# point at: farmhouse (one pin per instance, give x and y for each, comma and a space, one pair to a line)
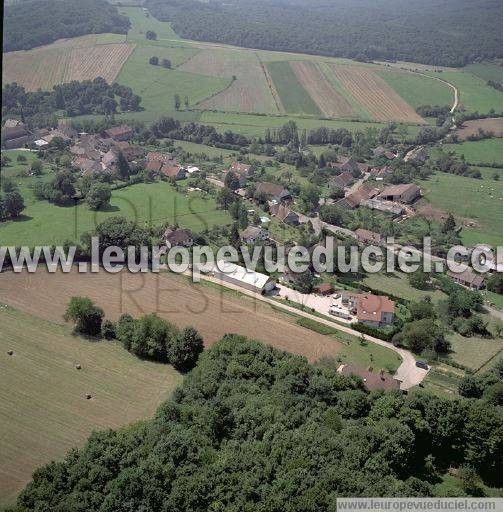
86, 166
12, 123
405, 193
284, 214
176, 172
366, 237
163, 158
122, 132
355, 199
468, 278
372, 381
254, 234
383, 206
349, 164
342, 180
382, 152
375, 310
241, 276
16, 137
273, 191
242, 171
416, 156
178, 238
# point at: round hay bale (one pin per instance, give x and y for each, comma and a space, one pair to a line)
10, 352
78, 367
88, 396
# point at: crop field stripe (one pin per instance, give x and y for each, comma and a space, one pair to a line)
375, 95
249, 92
59, 64
329, 101
274, 93
357, 107
294, 98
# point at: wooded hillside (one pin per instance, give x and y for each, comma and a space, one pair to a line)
255, 429
38, 22
449, 32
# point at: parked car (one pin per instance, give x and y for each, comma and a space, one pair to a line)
422, 364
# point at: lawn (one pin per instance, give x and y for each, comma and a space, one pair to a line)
43, 407
148, 204
294, 97
481, 201
353, 351
487, 151
475, 94
398, 284
418, 90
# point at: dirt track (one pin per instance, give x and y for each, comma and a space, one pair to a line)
211, 311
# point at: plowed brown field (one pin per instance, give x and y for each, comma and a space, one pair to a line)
329, 101
173, 297
491, 124
375, 95
79, 58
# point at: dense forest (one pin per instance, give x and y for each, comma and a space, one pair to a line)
38, 22
446, 32
252, 428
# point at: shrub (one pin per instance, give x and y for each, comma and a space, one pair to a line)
108, 330
86, 315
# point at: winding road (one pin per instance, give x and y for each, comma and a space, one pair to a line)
408, 373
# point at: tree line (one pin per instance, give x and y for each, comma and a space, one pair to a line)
74, 98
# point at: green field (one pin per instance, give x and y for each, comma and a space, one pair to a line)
474, 352
398, 284
479, 152
418, 90
353, 351
141, 21
43, 407
44, 223
475, 94
487, 71
294, 97
157, 85
469, 198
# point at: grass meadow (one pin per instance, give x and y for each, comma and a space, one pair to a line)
43, 407
418, 90
480, 200
487, 151
475, 94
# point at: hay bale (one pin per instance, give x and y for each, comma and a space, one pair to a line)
88, 396
78, 367
10, 352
